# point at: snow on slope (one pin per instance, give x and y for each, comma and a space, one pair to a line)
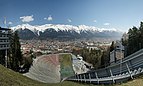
58, 27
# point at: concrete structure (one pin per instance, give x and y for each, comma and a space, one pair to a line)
79, 65
4, 45
117, 53
132, 67
46, 69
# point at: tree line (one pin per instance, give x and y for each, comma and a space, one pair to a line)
98, 58
135, 39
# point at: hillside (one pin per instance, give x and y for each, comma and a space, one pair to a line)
11, 78
136, 82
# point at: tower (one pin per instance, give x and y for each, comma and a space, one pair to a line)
4, 45
117, 53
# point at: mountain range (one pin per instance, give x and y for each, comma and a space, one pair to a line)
58, 31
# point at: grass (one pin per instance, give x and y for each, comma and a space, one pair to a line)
11, 78
136, 82
66, 65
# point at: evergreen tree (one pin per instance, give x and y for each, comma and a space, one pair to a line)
2, 55
112, 47
133, 41
15, 55
141, 35
105, 59
124, 39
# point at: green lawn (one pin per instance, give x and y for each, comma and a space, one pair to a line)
11, 78
66, 65
136, 82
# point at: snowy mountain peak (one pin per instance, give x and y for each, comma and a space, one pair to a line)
59, 27
65, 32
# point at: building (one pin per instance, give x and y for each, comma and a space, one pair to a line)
92, 47
4, 45
117, 53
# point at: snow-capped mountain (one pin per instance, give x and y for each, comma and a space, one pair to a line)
63, 31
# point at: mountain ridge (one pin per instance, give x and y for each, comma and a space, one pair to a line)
58, 27
59, 31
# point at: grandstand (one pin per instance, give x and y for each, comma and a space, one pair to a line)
125, 69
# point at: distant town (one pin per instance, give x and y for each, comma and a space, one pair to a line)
55, 46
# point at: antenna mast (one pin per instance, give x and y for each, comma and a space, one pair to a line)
5, 21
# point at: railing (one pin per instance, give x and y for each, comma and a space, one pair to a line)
4, 42
130, 67
4, 37
3, 47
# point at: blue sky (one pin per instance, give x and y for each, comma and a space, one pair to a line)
119, 14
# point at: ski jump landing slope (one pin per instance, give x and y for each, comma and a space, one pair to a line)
45, 68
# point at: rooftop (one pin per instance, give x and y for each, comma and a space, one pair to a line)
4, 28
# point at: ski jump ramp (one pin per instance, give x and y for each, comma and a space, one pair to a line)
45, 68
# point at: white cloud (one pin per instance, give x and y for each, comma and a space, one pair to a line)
49, 18
10, 23
94, 20
45, 18
69, 20
106, 24
27, 18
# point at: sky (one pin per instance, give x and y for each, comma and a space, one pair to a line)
118, 14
